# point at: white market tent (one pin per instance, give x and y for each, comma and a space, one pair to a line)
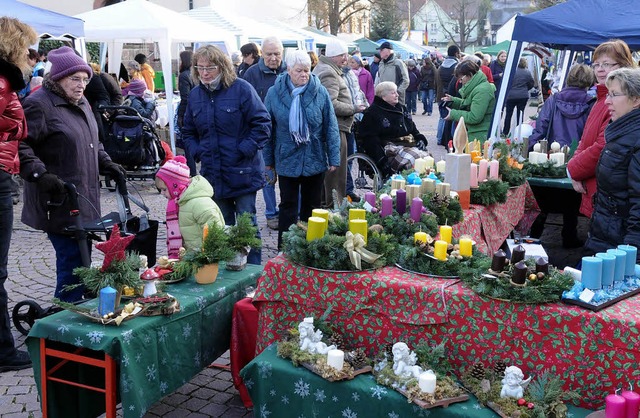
140, 21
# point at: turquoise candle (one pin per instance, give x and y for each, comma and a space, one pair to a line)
608, 268
630, 263
621, 260
592, 273
106, 300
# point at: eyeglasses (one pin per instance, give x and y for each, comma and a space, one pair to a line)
78, 80
604, 65
208, 69
612, 95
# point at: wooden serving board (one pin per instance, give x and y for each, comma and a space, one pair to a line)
444, 402
311, 367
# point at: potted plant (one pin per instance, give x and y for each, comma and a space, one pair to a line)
242, 238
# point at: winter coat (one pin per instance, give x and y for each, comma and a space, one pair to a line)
616, 215
13, 126
567, 111
113, 89
428, 78
330, 75
582, 166
373, 69
185, 85
226, 130
197, 209
476, 103
520, 85
383, 122
149, 76
62, 140
323, 149
366, 84
262, 77
414, 79
497, 70
394, 70
445, 74
144, 107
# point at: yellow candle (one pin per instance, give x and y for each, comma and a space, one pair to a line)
466, 247
440, 250
440, 166
315, 228
357, 214
320, 213
358, 226
420, 237
475, 154
445, 233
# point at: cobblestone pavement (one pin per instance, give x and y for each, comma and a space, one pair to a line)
211, 392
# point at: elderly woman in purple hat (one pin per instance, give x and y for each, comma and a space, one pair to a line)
138, 97
62, 146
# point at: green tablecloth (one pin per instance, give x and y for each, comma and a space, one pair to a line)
155, 355
561, 183
278, 389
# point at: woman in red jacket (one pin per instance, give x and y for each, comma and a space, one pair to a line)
607, 57
16, 38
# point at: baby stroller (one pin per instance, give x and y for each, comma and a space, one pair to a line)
131, 141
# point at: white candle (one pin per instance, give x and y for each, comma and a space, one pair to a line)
494, 166
430, 161
537, 147
427, 382
557, 158
335, 359
482, 170
473, 179
420, 165
440, 166
555, 147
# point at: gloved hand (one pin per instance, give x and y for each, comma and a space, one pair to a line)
50, 183
114, 169
421, 142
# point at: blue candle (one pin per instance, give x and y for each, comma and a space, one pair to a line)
621, 260
107, 300
630, 263
592, 273
608, 268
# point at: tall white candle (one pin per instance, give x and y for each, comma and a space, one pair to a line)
427, 382
557, 158
335, 359
473, 178
441, 166
420, 165
430, 161
494, 166
482, 170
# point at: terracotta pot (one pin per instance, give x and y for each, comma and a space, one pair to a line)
237, 263
207, 274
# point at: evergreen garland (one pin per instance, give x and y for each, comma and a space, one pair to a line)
547, 170
448, 211
513, 176
118, 274
413, 259
401, 228
490, 192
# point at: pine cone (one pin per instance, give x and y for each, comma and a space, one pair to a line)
337, 340
477, 371
357, 358
499, 367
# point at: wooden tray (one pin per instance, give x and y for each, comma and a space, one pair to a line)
311, 367
596, 308
111, 320
444, 402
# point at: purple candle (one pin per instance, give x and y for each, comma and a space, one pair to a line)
615, 406
370, 198
401, 201
632, 403
387, 206
416, 209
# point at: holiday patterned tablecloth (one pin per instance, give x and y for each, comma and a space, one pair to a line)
155, 355
277, 388
593, 353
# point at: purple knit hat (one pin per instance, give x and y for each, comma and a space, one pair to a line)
136, 87
64, 62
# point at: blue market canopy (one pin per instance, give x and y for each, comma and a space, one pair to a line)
46, 23
403, 50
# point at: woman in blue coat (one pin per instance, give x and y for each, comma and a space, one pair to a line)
225, 127
305, 141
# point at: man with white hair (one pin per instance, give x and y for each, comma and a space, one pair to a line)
262, 77
392, 69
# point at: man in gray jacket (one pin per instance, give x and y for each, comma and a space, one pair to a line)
392, 69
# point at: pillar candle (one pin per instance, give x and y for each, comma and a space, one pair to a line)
357, 214
401, 201
445, 189
542, 265
315, 228
398, 183
482, 170
517, 254
420, 237
320, 213
630, 262
416, 209
608, 268
498, 261
441, 166
429, 161
420, 165
557, 158
536, 147
440, 250
107, 300
473, 178
519, 272
466, 247
359, 226
335, 359
413, 191
494, 167
555, 147
621, 261
615, 406
427, 382
632, 406
445, 233
475, 155
592, 273
386, 204
428, 186
370, 198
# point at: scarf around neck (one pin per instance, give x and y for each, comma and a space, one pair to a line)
174, 237
298, 127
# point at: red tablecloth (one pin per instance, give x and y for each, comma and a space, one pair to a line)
593, 353
244, 328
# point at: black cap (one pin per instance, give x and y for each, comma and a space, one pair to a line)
384, 45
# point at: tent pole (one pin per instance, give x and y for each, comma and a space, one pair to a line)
515, 48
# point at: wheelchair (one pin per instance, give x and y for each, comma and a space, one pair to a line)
365, 174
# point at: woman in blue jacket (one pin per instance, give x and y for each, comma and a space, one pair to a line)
225, 127
305, 142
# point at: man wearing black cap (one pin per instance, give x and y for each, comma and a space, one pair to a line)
392, 69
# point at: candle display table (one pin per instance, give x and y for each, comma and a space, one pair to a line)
593, 353
138, 362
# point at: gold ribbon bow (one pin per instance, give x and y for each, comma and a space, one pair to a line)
355, 247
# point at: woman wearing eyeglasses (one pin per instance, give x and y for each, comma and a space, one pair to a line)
62, 146
225, 127
616, 215
607, 57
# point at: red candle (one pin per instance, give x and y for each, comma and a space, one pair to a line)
615, 406
632, 403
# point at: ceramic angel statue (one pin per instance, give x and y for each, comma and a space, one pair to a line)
513, 384
311, 340
404, 361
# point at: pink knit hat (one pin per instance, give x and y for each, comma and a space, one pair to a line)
175, 174
64, 62
137, 87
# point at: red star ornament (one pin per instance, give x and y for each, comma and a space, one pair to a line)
114, 247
